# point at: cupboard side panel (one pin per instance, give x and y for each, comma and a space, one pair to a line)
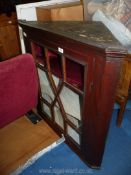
98, 109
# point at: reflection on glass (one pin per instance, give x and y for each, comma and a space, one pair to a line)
56, 80
46, 109
73, 134
46, 90
58, 116
73, 120
39, 53
71, 102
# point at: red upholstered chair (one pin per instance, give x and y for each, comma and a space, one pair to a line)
18, 88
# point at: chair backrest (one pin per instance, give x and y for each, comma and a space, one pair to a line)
18, 87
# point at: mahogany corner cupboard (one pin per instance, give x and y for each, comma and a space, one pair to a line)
78, 65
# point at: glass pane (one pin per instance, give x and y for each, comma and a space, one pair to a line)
55, 63
75, 74
73, 134
46, 90
47, 110
56, 80
74, 121
39, 53
71, 102
58, 116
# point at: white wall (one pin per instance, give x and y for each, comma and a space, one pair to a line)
28, 12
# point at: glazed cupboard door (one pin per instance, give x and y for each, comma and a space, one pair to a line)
61, 90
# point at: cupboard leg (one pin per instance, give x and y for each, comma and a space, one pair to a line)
121, 112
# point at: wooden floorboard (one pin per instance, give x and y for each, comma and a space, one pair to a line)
20, 140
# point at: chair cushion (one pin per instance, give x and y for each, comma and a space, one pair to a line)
18, 87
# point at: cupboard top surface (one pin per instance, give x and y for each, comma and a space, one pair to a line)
91, 33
